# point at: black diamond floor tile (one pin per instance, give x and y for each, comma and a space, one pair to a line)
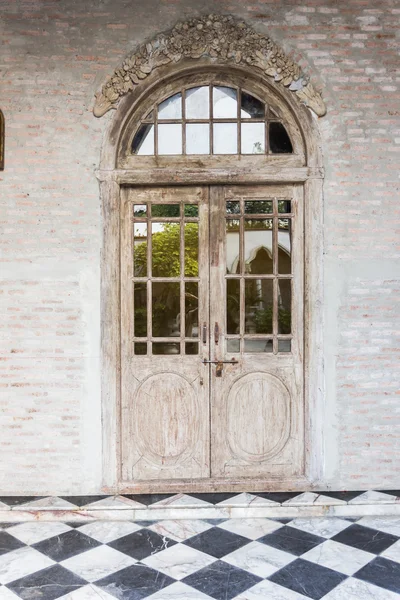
70, 543
141, 544
309, 579
214, 498
365, 538
8, 542
148, 499
382, 572
346, 496
17, 500
47, 584
217, 542
7, 525
292, 540
278, 496
134, 583
221, 580
391, 492
82, 500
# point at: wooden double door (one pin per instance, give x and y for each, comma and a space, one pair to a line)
211, 337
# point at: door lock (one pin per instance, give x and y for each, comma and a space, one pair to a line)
220, 364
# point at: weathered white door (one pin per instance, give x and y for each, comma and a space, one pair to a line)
212, 335
256, 289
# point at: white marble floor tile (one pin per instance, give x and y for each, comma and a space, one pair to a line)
246, 500
327, 527
312, 499
338, 557
181, 500
355, 589
386, 524
49, 503
6, 594
114, 502
178, 591
372, 497
98, 562
88, 592
393, 553
259, 559
181, 529
266, 590
108, 531
178, 561
251, 528
33, 532
22, 562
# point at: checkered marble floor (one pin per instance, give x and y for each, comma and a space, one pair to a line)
242, 559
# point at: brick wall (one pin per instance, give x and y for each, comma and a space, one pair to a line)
54, 55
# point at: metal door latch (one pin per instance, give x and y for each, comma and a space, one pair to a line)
220, 364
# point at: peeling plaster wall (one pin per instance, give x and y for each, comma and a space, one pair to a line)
54, 55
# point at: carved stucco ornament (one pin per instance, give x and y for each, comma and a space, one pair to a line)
213, 36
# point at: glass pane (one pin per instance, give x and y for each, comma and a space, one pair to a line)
258, 345
191, 310
251, 108
225, 138
233, 207
140, 304
191, 210
166, 348
165, 210
258, 246
171, 108
140, 249
279, 141
140, 348
198, 138
166, 309
232, 306
198, 103
261, 207
259, 308
224, 103
284, 206
191, 249
232, 246
143, 142
284, 346
170, 139
191, 348
166, 249
233, 345
284, 246
139, 210
253, 138
284, 304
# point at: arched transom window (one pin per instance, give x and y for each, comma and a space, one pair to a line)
211, 119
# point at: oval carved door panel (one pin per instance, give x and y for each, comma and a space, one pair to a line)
258, 415
165, 415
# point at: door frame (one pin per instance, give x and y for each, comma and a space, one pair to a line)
111, 178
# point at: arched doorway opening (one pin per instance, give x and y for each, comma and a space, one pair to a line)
211, 181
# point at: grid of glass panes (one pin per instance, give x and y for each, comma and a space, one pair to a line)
165, 278
211, 120
259, 275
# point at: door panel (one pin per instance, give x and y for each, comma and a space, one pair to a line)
257, 300
164, 308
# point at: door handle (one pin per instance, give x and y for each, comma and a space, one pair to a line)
204, 333
216, 333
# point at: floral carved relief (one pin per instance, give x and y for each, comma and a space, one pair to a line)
217, 37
